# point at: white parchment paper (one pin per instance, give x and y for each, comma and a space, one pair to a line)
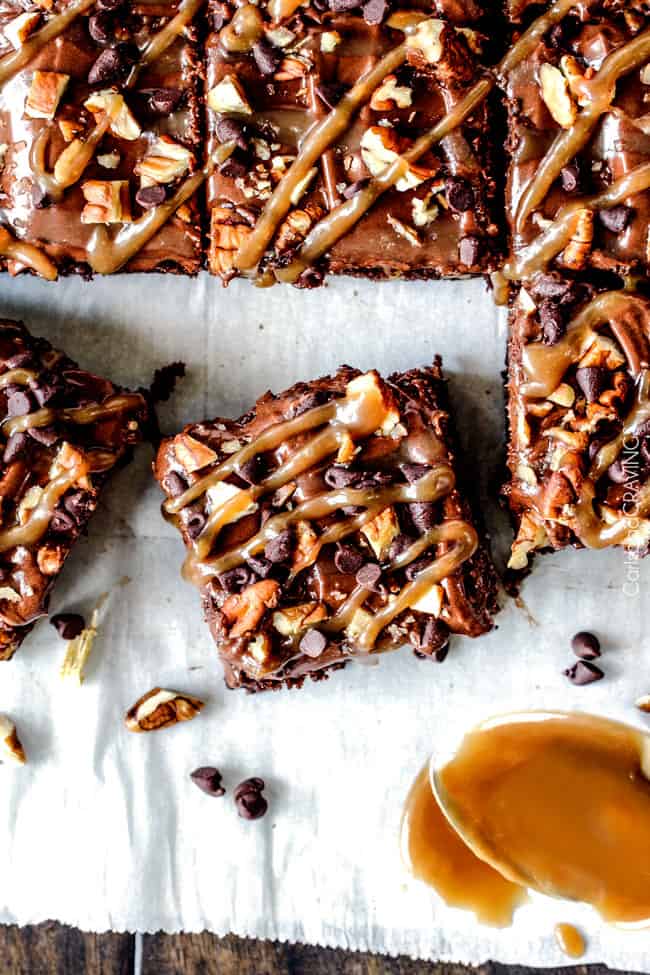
103, 829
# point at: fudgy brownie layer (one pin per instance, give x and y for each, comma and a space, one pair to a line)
63, 431
327, 523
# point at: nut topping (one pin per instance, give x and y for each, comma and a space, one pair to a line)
11, 749
165, 161
45, 93
192, 454
228, 95
20, 28
389, 95
161, 709
107, 201
557, 98
123, 123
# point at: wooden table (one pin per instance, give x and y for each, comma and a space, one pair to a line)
53, 949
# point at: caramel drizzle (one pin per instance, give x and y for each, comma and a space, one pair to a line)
556, 237
81, 415
40, 516
17, 377
27, 254
106, 255
244, 30
165, 37
600, 92
637, 416
14, 62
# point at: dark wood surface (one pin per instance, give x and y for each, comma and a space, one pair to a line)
54, 949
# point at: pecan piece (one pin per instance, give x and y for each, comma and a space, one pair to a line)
160, 708
244, 611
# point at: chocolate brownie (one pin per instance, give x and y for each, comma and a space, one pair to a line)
100, 129
318, 101
579, 414
63, 431
327, 523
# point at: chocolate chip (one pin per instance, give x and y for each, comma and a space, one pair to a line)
61, 522
338, 476
592, 380
616, 219
19, 403
585, 645
423, 515
415, 568
313, 643
260, 566
374, 11
342, 6
347, 559
68, 625
231, 130
413, 472
460, 195
267, 58
433, 641
570, 177
369, 575
279, 548
45, 393
194, 520
44, 435
550, 285
208, 779
78, 505
331, 92
584, 672
353, 188
101, 28
552, 321
250, 802
469, 249
164, 101
233, 167
150, 196
174, 484
399, 545
112, 65
234, 580
15, 446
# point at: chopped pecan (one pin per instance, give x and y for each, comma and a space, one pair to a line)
11, 748
296, 226
575, 253
193, 454
165, 162
294, 619
228, 95
290, 69
21, 27
50, 559
390, 95
307, 546
227, 236
244, 611
160, 708
381, 531
123, 123
554, 88
108, 201
442, 51
45, 93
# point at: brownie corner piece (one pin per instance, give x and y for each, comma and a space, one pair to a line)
579, 418
64, 430
327, 524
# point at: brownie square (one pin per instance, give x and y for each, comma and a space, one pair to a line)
63, 431
579, 418
327, 523
96, 67
577, 194
268, 95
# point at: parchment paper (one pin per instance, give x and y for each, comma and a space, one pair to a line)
103, 829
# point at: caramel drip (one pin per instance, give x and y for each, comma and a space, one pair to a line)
50, 184
548, 245
82, 415
342, 218
243, 31
600, 92
106, 255
17, 377
40, 516
165, 37
545, 365
14, 62
27, 254
531, 37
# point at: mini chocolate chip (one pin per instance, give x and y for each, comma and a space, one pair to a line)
374, 11
399, 545
260, 566
150, 196
584, 672
279, 548
61, 522
338, 476
44, 435
550, 285
616, 219
570, 177
347, 559
194, 520
353, 188
19, 403
592, 380
313, 643
434, 639
231, 130
369, 575
111, 66
342, 6
413, 472
68, 625
15, 446
233, 168
331, 92
174, 484
250, 802
423, 515
208, 779
460, 195
164, 101
469, 249
585, 645
234, 580
267, 58
78, 505
415, 568
101, 28
552, 321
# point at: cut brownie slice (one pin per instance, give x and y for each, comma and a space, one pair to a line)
100, 125
319, 102
327, 523
63, 431
579, 411
578, 188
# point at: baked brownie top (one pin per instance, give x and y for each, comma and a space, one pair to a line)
63, 430
99, 125
327, 522
577, 192
579, 411
279, 75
